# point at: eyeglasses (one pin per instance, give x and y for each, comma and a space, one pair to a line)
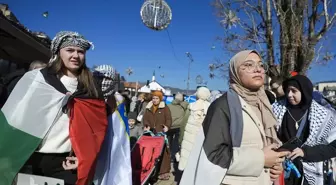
251, 66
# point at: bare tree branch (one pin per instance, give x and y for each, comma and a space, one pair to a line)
292, 38
318, 53
312, 19
328, 21
277, 9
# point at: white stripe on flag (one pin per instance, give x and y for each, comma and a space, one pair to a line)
33, 105
114, 163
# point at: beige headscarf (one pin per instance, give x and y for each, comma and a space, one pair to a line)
258, 100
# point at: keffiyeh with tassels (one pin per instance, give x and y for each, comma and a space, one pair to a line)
322, 130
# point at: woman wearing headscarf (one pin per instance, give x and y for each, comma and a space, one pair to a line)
197, 112
237, 142
299, 116
157, 118
62, 113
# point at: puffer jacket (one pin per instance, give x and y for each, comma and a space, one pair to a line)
198, 111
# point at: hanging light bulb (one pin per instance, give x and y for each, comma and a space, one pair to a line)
156, 14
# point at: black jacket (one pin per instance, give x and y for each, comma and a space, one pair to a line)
8, 83
12, 79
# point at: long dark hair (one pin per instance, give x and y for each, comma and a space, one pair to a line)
84, 77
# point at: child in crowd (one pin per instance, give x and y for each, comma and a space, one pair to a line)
135, 129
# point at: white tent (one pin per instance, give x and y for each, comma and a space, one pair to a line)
152, 86
145, 89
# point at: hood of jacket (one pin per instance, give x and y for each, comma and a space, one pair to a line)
181, 103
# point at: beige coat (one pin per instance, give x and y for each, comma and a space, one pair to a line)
247, 166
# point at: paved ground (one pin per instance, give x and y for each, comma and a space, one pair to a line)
169, 182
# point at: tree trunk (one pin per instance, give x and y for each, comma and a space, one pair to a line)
269, 34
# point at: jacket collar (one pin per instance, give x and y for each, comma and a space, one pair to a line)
248, 109
150, 105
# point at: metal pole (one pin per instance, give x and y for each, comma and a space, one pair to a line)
189, 66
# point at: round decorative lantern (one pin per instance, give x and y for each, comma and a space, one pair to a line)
156, 14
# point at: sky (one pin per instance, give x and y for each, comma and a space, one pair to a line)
121, 39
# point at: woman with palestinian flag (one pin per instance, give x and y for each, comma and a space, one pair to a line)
55, 114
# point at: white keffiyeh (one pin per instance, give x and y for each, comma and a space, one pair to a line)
107, 74
322, 130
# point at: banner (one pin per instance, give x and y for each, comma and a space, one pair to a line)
25, 179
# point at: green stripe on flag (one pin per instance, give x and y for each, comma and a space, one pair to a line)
16, 147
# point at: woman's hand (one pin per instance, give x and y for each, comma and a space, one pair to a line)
146, 128
71, 163
298, 152
272, 157
276, 171
165, 128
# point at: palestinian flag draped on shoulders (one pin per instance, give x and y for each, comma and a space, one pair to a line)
35, 104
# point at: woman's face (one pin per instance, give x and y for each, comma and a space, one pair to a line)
73, 58
156, 100
293, 95
252, 72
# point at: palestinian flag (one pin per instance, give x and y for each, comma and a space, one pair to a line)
35, 104
114, 162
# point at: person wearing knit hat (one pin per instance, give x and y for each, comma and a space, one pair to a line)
159, 94
197, 113
158, 118
203, 93
179, 112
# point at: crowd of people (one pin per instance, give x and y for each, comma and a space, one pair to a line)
60, 120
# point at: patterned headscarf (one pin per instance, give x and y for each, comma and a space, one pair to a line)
106, 75
68, 38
